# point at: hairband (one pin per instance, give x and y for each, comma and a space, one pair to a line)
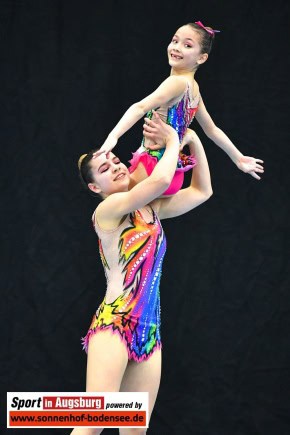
81, 159
210, 31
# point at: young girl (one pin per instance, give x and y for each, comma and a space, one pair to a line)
124, 341
178, 100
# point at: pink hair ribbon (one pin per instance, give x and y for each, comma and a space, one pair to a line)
210, 31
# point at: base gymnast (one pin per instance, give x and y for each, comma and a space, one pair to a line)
123, 342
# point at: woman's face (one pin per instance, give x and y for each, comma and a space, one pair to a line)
184, 51
109, 174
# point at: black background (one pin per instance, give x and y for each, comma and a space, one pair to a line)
69, 70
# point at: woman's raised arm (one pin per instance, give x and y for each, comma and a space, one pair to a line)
200, 188
119, 204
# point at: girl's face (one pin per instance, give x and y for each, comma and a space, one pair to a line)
184, 51
109, 174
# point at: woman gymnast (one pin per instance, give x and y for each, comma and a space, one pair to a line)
123, 342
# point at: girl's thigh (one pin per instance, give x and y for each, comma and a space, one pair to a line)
138, 175
106, 363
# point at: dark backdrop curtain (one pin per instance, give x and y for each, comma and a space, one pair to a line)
69, 70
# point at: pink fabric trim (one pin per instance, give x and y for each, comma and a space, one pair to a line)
149, 162
131, 354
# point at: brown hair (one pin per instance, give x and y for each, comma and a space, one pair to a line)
206, 38
85, 171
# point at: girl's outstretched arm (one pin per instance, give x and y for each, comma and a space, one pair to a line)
200, 188
171, 88
250, 165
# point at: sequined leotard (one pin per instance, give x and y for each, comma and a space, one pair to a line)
132, 258
179, 116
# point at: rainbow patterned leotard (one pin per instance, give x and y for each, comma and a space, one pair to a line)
179, 116
132, 257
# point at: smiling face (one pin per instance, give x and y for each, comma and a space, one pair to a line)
109, 175
184, 51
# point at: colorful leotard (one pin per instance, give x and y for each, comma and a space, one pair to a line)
179, 116
132, 257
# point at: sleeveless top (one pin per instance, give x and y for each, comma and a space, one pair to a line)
179, 116
132, 257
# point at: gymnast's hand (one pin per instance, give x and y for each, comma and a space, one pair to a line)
107, 146
250, 165
158, 131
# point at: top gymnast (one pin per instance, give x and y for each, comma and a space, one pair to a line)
123, 342
177, 100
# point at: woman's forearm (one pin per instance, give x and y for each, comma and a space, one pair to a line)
166, 166
200, 178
